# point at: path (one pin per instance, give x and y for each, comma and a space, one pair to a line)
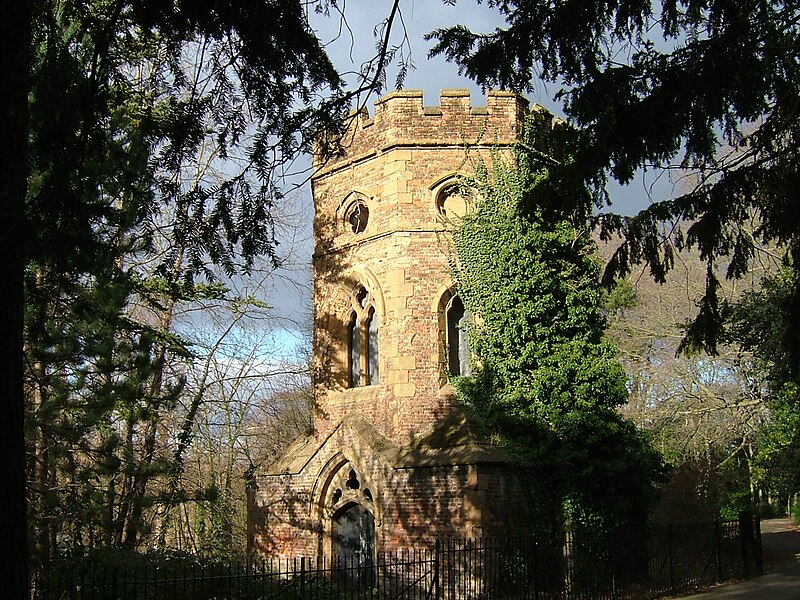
781, 580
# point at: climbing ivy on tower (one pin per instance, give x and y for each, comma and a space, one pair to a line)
546, 382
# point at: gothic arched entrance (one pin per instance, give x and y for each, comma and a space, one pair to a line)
349, 517
354, 535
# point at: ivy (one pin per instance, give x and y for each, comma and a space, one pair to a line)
546, 381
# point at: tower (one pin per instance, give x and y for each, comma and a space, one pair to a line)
392, 462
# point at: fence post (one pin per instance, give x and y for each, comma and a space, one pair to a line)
746, 535
718, 550
436, 558
671, 552
758, 547
302, 576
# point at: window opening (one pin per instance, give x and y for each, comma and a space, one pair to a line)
372, 347
352, 481
362, 340
362, 297
358, 216
451, 202
457, 337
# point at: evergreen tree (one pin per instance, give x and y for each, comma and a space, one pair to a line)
547, 382
689, 85
149, 122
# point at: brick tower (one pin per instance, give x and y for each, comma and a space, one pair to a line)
392, 462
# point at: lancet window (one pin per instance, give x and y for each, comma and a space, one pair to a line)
362, 341
457, 341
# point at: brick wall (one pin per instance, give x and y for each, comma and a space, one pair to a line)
413, 504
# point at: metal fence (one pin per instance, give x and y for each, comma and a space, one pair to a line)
566, 567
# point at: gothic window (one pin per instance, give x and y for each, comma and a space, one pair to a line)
451, 202
457, 319
372, 346
357, 216
362, 341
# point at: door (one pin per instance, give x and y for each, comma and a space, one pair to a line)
354, 538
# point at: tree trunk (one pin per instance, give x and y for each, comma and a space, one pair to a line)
41, 474
15, 40
142, 476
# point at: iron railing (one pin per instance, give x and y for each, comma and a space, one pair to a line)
568, 566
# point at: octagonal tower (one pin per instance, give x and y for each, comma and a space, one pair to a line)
392, 462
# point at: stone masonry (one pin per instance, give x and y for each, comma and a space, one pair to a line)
389, 440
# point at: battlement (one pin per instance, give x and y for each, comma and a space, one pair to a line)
402, 120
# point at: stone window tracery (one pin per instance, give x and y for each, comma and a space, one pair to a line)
362, 341
347, 486
357, 216
452, 201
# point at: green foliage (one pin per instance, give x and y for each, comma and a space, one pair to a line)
762, 323
547, 384
213, 527
176, 119
620, 297
706, 87
158, 135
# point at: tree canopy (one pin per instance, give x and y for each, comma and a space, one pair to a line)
176, 121
697, 86
759, 322
153, 138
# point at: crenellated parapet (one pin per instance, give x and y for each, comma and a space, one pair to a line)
402, 120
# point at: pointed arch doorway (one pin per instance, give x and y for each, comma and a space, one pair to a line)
354, 535
351, 521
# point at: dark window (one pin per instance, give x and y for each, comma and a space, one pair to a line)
457, 340
372, 347
358, 216
362, 341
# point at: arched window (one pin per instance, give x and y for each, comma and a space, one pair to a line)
357, 216
362, 341
457, 318
452, 202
